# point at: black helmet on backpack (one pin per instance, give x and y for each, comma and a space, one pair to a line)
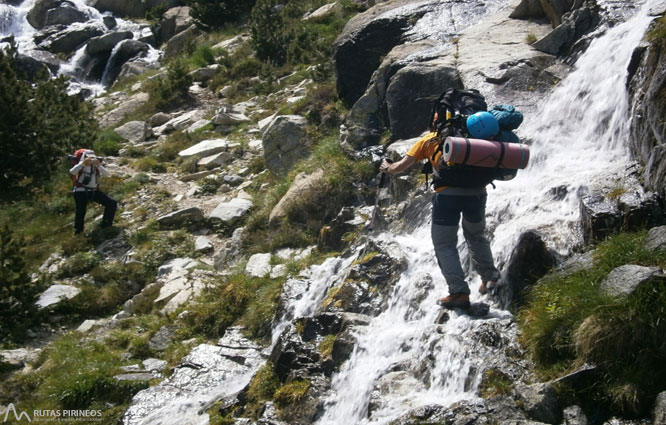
453, 106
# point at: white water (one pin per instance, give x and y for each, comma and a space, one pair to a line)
13, 22
579, 135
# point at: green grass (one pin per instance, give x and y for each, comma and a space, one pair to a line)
568, 322
657, 33
73, 374
262, 388
291, 393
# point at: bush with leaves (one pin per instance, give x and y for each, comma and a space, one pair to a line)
213, 14
17, 291
39, 124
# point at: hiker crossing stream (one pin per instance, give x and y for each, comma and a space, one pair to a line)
401, 358
578, 136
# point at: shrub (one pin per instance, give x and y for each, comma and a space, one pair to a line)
204, 55
108, 143
17, 291
171, 90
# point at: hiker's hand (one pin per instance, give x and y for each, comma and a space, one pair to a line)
384, 168
96, 161
87, 161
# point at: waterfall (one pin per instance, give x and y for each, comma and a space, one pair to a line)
579, 136
13, 22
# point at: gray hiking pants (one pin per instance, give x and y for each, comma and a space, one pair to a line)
446, 212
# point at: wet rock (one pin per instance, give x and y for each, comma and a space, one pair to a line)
625, 280
106, 42
574, 26
68, 40
640, 209
230, 212
207, 148
259, 265
65, 14
174, 21
209, 373
647, 74
55, 294
304, 199
331, 235
37, 15
181, 217
600, 217
35, 61
529, 261
659, 410
291, 353
656, 238
283, 142
162, 338
574, 415
539, 401
203, 244
123, 52
109, 22
134, 131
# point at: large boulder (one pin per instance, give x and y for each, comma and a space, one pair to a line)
230, 212
410, 95
302, 198
174, 21
554, 10
284, 143
65, 14
529, 261
134, 131
178, 42
68, 40
626, 279
574, 25
37, 15
366, 38
106, 42
32, 62
540, 402
115, 116
634, 209
124, 51
647, 76
207, 148
656, 238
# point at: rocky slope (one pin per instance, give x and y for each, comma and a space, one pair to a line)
390, 62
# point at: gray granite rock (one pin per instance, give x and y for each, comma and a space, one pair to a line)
624, 280
55, 294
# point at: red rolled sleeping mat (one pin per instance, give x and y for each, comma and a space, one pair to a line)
485, 153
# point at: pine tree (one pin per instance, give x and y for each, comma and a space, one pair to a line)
17, 292
39, 124
268, 32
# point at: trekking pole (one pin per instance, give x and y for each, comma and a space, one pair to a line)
382, 177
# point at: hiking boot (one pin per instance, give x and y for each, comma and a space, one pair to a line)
459, 300
487, 286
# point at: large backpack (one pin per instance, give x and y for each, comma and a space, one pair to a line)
448, 118
76, 158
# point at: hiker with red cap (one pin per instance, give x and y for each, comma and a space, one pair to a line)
86, 174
